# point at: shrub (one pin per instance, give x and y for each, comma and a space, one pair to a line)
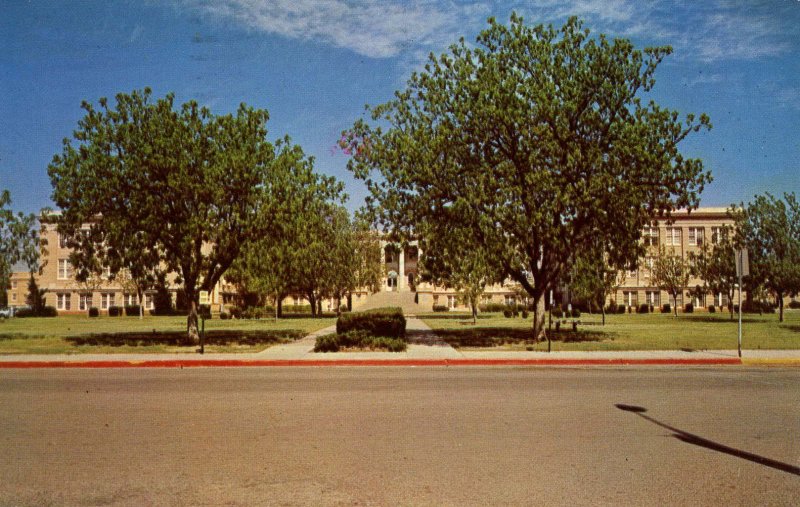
688, 308
253, 312
358, 339
379, 322
24, 312
757, 307
47, 311
794, 305
492, 307
440, 308
524, 314
94, 312
132, 310
557, 313
507, 313
712, 309
621, 309
297, 309
224, 316
204, 312
644, 308
235, 311
576, 313
114, 311
666, 308
735, 308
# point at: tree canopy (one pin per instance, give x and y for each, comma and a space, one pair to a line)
532, 142
19, 240
176, 186
769, 228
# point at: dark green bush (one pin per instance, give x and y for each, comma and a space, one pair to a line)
666, 308
492, 307
224, 316
620, 308
114, 311
758, 307
794, 305
440, 308
644, 308
235, 311
379, 322
297, 309
712, 309
358, 339
507, 313
524, 314
94, 312
557, 313
132, 310
47, 311
24, 312
688, 308
576, 313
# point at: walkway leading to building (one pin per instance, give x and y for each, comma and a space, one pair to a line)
403, 300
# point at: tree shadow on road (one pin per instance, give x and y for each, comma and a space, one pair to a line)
690, 438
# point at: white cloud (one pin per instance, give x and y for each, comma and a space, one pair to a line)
372, 28
706, 31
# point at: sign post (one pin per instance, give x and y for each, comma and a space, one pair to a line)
204, 301
742, 269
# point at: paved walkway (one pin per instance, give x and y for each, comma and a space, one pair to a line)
425, 347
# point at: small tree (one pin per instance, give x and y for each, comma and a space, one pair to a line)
670, 273
35, 298
20, 240
769, 229
592, 279
715, 266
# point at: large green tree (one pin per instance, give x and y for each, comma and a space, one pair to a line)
670, 272
532, 142
186, 184
769, 228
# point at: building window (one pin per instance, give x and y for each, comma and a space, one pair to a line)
14, 284
106, 272
650, 236
129, 299
148, 301
653, 298
106, 300
510, 300
435, 300
673, 236
451, 302
62, 301
14, 296
696, 236
716, 235
62, 241
630, 297
64, 269
84, 301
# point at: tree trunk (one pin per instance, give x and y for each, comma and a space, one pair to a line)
780, 307
313, 301
604, 314
140, 296
675, 303
279, 307
474, 312
539, 320
191, 322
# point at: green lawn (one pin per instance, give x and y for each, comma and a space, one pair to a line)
698, 331
74, 334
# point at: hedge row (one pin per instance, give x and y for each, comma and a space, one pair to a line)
47, 311
387, 322
358, 339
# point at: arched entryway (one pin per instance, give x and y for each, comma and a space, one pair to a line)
391, 280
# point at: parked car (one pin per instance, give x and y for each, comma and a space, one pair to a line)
6, 313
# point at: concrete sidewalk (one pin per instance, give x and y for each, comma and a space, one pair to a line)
424, 349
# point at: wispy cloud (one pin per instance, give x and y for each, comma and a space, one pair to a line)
706, 31
372, 28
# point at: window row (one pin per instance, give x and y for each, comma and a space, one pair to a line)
107, 300
673, 236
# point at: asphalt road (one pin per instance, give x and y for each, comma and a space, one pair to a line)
400, 436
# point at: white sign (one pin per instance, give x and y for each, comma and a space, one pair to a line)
204, 299
742, 263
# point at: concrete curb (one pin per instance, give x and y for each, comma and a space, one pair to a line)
214, 363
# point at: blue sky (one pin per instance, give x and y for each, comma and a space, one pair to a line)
314, 64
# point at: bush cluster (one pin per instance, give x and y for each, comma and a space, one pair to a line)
387, 322
643, 308
440, 308
358, 339
688, 308
94, 312
114, 311
47, 311
666, 308
794, 305
132, 310
296, 309
507, 313
712, 309
492, 307
757, 307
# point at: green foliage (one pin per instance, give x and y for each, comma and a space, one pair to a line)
492, 307
46, 311
94, 312
132, 310
524, 314
177, 187
643, 308
162, 299
508, 313
714, 265
794, 305
688, 308
35, 298
440, 308
387, 322
670, 272
19, 240
712, 309
528, 143
769, 228
666, 308
114, 311
358, 340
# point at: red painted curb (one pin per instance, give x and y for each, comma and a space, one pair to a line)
210, 363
